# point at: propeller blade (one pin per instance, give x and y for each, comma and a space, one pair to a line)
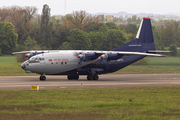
23, 56
79, 63
83, 47
106, 63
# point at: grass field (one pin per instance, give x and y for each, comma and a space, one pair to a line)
156, 65
161, 103
164, 61
8, 58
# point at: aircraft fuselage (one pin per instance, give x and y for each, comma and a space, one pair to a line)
67, 62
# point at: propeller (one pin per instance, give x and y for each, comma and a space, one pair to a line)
23, 56
28, 47
42, 46
104, 58
100, 48
83, 47
81, 58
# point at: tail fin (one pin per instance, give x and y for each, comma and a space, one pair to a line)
144, 40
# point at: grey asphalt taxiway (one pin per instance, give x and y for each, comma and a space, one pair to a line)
122, 80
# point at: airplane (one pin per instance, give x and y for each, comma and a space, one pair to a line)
90, 62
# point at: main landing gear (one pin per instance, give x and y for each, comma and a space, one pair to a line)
73, 77
42, 78
92, 77
89, 77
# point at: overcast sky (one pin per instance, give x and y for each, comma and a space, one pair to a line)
95, 6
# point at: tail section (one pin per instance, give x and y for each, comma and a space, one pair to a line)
144, 40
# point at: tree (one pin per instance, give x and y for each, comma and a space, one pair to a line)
8, 37
21, 17
157, 39
65, 46
173, 47
112, 25
46, 26
77, 38
115, 38
81, 20
134, 20
97, 39
168, 31
131, 28
4, 13
100, 27
30, 41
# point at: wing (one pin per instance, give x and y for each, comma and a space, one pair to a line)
159, 51
22, 52
130, 53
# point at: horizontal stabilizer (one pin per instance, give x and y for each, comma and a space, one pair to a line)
160, 51
139, 53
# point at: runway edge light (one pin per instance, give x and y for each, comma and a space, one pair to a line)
34, 87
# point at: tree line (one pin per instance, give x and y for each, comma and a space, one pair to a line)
21, 26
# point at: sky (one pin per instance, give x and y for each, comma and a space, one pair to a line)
96, 6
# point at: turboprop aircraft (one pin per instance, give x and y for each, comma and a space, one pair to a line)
92, 63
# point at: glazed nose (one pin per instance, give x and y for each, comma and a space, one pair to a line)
23, 65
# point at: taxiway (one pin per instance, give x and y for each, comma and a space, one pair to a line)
123, 80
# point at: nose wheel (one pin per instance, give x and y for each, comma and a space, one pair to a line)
42, 78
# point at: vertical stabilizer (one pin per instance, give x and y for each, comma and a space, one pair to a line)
144, 40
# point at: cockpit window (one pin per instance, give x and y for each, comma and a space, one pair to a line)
41, 59
36, 59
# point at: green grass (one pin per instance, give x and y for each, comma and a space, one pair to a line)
12, 69
92, 103
148, 69
8, 58
164, 61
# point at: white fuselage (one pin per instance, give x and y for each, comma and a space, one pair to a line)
54, 63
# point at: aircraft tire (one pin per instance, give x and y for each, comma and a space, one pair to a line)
70, 77
90, 77
95, 77
76, 77
73, 77
42, 78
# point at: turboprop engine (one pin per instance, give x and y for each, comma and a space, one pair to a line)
88, 56
111, 56
33, 53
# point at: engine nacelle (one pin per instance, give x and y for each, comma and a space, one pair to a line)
114, 56
80, 56
111, 56
88, 56
104, 56
28, 55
